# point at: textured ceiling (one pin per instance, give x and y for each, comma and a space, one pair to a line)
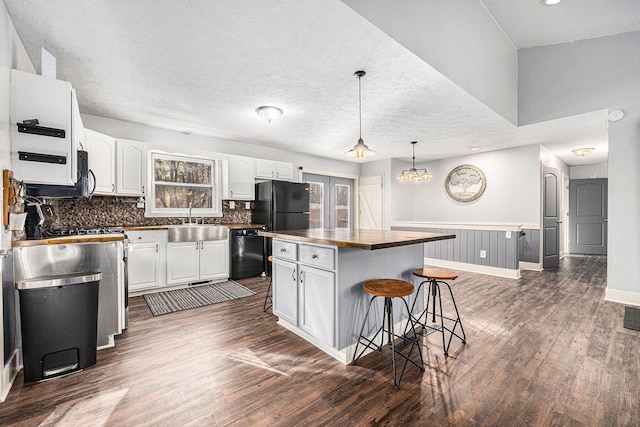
528, 23
204, 66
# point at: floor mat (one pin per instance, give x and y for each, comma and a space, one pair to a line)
196, 296
632, 318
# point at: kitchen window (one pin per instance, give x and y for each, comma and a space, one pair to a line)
181, 185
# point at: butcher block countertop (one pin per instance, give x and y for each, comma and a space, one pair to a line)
358, 238
66, 240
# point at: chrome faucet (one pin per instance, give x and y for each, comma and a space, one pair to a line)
190, 206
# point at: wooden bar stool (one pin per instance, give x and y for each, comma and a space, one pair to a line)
434, 277
268, 299
389, 289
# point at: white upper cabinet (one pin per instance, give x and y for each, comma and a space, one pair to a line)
272, 169
130, 167
241, 174
102, 161
44, 153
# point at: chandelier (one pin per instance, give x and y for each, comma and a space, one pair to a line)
414, 174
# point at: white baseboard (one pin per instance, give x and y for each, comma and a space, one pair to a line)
535, 266
474, 268
9, 372
622, 297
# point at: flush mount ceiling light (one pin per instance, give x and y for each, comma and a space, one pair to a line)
581, 152
360, 149
268, 112
615, 115
550, 2
414, 174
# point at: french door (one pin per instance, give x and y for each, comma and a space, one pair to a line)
330, 201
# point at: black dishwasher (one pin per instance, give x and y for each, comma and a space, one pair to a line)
246, 253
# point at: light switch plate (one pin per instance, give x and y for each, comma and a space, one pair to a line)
483, 254
508, 235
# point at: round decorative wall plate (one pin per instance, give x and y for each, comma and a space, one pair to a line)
465, 183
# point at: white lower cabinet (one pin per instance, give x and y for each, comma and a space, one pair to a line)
285, 290
316, 303
303, 294
147, 258
189, 262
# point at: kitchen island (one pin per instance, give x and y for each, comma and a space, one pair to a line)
318, 276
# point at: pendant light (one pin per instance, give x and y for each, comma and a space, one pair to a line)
360, 149
414, 174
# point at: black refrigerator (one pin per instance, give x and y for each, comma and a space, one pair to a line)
280, 205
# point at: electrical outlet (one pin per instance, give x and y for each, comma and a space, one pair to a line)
140, 203
508, 235
247, 205
483, 254
232, 204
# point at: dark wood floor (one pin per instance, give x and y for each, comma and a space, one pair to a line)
541, 351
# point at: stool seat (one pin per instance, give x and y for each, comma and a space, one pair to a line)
388, 288
435, 273
270, 258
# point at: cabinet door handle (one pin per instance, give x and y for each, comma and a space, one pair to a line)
271, 174
143, 188
277, 174
302, 276
113, 187
201, 245
157, 248
197, 245
231, 193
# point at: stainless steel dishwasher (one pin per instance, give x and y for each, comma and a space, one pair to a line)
247, 250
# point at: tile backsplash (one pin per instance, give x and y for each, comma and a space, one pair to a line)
102, 211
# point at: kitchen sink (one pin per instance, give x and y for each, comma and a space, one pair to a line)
197, 232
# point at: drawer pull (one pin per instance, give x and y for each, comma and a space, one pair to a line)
283, 249
314, 256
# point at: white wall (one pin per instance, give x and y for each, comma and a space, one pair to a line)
198, 144
512, 195
459, 39
589, 171
573, 78
12, 55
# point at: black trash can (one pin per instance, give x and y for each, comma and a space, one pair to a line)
59, 316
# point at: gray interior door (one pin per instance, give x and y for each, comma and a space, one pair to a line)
588, 216
551, 218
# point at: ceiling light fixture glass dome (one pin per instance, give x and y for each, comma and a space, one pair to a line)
269, 112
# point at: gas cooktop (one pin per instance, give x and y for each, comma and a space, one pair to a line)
81, 231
